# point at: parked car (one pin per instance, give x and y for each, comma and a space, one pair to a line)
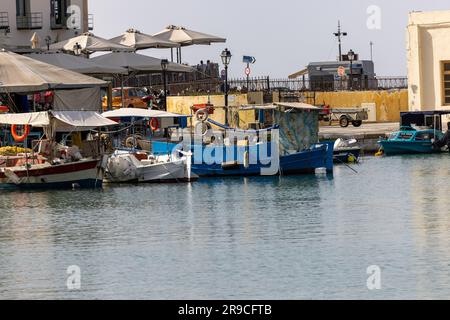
133, 98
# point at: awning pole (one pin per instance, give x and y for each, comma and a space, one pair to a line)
122, 93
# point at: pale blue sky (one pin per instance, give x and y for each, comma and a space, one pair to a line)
283, 35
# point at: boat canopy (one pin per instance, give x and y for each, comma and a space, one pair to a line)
61, 120
140, 113
430, 119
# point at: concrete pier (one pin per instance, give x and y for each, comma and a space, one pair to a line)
367, 135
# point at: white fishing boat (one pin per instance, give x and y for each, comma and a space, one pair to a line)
138, 166
132, 165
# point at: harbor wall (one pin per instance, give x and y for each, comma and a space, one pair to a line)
388, 104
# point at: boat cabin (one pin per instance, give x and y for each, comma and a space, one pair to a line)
423, 119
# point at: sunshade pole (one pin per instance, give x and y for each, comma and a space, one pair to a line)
171, 53
180, 55
122, 93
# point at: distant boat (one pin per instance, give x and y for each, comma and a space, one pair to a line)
346, 151
417, 134
411, 141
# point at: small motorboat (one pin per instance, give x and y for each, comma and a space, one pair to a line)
417, 135
409, 140
346, 151
127, 166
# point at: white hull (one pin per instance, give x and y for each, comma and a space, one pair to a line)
127, 168
71, 175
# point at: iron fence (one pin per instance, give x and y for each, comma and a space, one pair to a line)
265, 84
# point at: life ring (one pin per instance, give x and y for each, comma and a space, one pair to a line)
202, 115
131, 142
154, 124
202, 128
24, 135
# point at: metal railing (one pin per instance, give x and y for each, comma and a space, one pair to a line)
32, 20
267, 84
4, 20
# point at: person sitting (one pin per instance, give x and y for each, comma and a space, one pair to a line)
445, 141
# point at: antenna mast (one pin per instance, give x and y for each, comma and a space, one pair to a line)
339, 35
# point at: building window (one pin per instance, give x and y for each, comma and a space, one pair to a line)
58, 9
446, 82
22, 8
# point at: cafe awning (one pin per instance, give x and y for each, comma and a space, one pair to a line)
20, 74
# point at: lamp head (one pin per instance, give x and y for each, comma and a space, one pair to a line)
226, 57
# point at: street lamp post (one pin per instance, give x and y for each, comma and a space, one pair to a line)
164, 66
226, 59
351, 58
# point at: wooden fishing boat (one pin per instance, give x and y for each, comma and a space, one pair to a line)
53, 165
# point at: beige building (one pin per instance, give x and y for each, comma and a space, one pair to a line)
51, 20
428, 50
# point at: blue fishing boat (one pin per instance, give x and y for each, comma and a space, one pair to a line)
221, 160
294, 150
417, 134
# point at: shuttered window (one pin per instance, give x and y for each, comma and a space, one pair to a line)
446, 82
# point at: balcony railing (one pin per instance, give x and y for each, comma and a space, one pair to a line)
32, 20
91, 22
4, 20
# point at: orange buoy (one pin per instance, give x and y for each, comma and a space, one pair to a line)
22, 137
154, 124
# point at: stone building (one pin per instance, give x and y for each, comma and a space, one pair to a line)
51, 20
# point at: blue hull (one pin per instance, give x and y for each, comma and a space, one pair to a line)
208, 161
407, 147
68, 185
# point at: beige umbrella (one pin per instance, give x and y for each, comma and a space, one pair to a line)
35, 41
138, 40
77, 64
138, 63
88, 43
186, 37
21, 74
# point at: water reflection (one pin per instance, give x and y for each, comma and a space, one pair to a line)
245, 238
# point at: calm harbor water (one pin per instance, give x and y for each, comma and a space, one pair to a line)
302, 237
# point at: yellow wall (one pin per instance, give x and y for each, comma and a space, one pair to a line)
183, 104
389, 103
